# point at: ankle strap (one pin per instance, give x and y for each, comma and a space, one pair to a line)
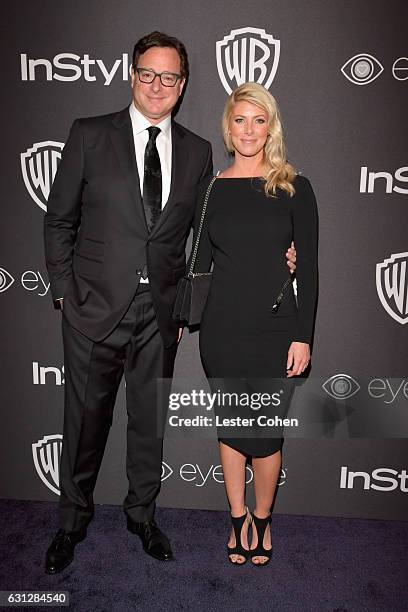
261, 521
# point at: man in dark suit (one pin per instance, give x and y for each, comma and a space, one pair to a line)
119, 214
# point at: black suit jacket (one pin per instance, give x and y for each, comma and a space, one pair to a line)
96, 237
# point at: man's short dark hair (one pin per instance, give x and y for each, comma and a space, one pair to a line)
158, 39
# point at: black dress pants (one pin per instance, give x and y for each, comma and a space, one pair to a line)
93, 371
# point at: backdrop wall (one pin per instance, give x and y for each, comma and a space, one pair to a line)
340, 74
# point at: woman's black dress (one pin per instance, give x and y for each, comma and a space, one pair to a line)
246, 235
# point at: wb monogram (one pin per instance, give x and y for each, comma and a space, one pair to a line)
247, 54
39, 165
392, 286
46, 456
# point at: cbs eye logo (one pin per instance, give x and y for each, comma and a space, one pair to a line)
6, 280
362, 69
166, 471
341, 386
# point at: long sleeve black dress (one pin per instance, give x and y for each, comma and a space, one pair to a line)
246, 235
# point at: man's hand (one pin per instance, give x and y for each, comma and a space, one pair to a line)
180, 334
291, 257
298, 358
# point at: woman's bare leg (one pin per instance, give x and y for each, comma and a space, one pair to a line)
266, 474
233, 465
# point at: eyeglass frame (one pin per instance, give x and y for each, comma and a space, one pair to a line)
157, 74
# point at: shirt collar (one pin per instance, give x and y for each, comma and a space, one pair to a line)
141, 123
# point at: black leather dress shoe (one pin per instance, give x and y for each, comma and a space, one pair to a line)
61, 552
155, 543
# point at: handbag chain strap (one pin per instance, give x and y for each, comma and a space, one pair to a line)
278, 300
200, 227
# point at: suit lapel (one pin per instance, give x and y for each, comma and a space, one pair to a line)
122, 141
178, 164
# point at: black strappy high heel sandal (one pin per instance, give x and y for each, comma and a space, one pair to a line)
261, 525
238, 549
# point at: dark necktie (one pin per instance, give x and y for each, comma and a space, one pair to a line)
152, 181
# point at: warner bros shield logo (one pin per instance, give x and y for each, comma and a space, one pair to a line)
46, 456
38, 166
247, 54
392, 286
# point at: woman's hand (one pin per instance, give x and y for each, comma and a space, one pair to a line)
291, 257
298, 358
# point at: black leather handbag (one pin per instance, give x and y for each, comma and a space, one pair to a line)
193, 289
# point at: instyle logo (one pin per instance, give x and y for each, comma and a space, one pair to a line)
363, 68
392, 286
46, 457
38, 166
68, 67
383, 181
43, 375
381, 479
341, 386
247, 54
6, 280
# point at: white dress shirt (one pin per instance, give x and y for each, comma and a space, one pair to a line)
163, 143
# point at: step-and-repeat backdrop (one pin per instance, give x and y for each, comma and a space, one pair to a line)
340, 74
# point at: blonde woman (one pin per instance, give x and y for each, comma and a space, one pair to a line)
256, 208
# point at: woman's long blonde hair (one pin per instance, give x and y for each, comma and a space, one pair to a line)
277, 171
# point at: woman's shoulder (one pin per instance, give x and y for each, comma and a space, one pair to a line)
304, 198
303, 187
301, 182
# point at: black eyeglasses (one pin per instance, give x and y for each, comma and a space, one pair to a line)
167, 79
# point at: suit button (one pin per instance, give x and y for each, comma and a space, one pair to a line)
138, 271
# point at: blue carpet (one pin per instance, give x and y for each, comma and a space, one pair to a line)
318, 565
